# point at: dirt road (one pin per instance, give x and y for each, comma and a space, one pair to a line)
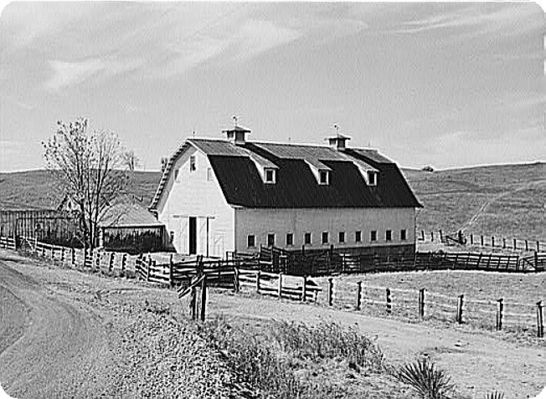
46, 339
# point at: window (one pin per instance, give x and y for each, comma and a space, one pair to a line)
325, 237
270, 175
192, 163
176, 175
289, 239
270, 240
373, 235
251, 241
209, 174
388, 235
358, 236
324, 176
403, 235
171, 234
307, 238
341, 237
372, 178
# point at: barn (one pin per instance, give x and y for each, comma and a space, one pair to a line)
232, 194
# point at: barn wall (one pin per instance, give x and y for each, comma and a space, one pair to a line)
261, 222
193, 194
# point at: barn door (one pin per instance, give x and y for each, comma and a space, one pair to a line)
193, 236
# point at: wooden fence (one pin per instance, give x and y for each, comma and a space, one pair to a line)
333, 261
491, 241
499, 314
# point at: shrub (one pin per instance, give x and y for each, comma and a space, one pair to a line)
328, 340
429, 381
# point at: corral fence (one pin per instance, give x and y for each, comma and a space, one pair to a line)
483, 240
332, 261
500, 314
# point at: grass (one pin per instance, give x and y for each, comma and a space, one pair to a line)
428, 381
451, 197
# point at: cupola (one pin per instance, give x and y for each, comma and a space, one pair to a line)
338, 141
237, 134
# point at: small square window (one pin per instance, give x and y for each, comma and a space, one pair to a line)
358, 236
403, 235
289, 239
325, 237
171, 234
307, 238
270, 240
388, 235
251, 241
323, 177
341, 237
373, 235
372, 178
270, 175
192, 163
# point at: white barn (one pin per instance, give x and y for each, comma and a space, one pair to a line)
235, 195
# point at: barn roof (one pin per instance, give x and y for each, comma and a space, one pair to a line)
296, 186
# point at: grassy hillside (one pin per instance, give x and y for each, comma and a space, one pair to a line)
505, 200
37, 189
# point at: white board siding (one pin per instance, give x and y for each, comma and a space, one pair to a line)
261, 222
193, 195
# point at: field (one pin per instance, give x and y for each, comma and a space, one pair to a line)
67, 326
503, 200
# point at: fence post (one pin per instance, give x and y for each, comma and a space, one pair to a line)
441, 236
459, 314
148, 266
73, 256
236, 279
203, 297
279, 289
492, 241
111, 262
481, 240
304, 289
536, 260
423, 235
500, 311
538, 246
123, 263
431, 236
422, 303
258, 273
62, 254
472, 239
358, 295
540, 320
389, 305
330, 292
193, 303
503, 242
515, 244
43, 251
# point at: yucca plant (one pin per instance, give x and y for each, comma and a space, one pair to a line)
429, 381
494, 395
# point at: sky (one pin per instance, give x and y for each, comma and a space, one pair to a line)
441, 84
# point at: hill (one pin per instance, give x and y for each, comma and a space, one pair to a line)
503, 200
36, 189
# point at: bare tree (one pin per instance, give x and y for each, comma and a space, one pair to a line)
90, 167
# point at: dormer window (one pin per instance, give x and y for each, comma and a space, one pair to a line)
372, 179
270, 175
324, 177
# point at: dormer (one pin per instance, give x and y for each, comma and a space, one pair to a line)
236, 135
338, 142
266, 169
372, 178
321, 172
368, 172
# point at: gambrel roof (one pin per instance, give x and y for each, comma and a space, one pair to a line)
235, 167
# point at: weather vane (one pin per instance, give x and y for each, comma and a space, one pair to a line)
235, 119
337, 128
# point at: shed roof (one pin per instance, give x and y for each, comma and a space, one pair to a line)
128, 215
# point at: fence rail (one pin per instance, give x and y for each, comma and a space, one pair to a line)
483, 240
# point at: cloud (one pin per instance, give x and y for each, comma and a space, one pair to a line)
67, 74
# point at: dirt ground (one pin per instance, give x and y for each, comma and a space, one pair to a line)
51, 330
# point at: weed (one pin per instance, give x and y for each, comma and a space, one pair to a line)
429, 381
